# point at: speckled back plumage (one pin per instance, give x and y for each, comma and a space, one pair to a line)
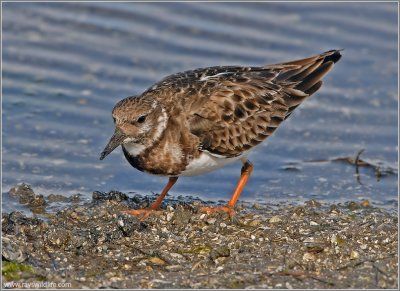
232, 109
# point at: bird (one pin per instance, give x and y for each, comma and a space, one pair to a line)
200, 120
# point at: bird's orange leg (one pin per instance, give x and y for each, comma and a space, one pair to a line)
156, 204
247, 169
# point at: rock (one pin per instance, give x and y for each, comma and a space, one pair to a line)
333, 209
211, 220
128, 224
172, 258
37, 201
222, 251
76, 198
117, 196
300, 211
157, 261
111, 196
365, 203
309, 256
174, 268
56, 198
26, 195
255, 222
314, 248
256, 206
11, 251
169, 216
275, 219
182, 216
23, 192
312, 203
16, 222
57, 238
354, 255
353, 205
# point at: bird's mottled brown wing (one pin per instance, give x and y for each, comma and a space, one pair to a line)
245, 106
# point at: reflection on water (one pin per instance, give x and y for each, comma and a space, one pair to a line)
65, 65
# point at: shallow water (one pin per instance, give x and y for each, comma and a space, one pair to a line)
65, 65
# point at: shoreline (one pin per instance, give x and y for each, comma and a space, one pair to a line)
95, 245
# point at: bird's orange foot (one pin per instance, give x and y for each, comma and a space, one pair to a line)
228, 210
144, 213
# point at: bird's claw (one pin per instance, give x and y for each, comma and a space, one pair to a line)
227, 209
143, 213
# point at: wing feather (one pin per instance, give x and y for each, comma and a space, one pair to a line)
246, 105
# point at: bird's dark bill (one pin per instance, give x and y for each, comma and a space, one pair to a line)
117, 138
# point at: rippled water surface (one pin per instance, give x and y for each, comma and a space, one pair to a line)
65, 65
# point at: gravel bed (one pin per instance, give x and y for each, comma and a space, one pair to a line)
95, 245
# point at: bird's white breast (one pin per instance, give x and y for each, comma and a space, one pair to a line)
207, 162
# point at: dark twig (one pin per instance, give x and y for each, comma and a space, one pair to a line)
323, 281
299, 275
376, 275
379, 170
371, 260
356, 162
380, 270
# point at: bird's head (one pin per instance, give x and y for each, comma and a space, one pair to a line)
139, 122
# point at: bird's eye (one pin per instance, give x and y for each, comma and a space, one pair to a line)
114, 119
141, 119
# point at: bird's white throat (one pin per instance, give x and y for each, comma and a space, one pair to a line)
134, 149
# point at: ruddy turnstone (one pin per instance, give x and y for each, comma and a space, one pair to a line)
197, 121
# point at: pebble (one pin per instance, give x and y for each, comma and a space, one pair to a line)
222, 251
353, 205
148, 268
256, 206
211, 220
157, 261
56, 198
288, 285
255, 222
354, 255
174, 268
312, 203
170, 215
333, 239
275, 219
308, 256
365, 203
